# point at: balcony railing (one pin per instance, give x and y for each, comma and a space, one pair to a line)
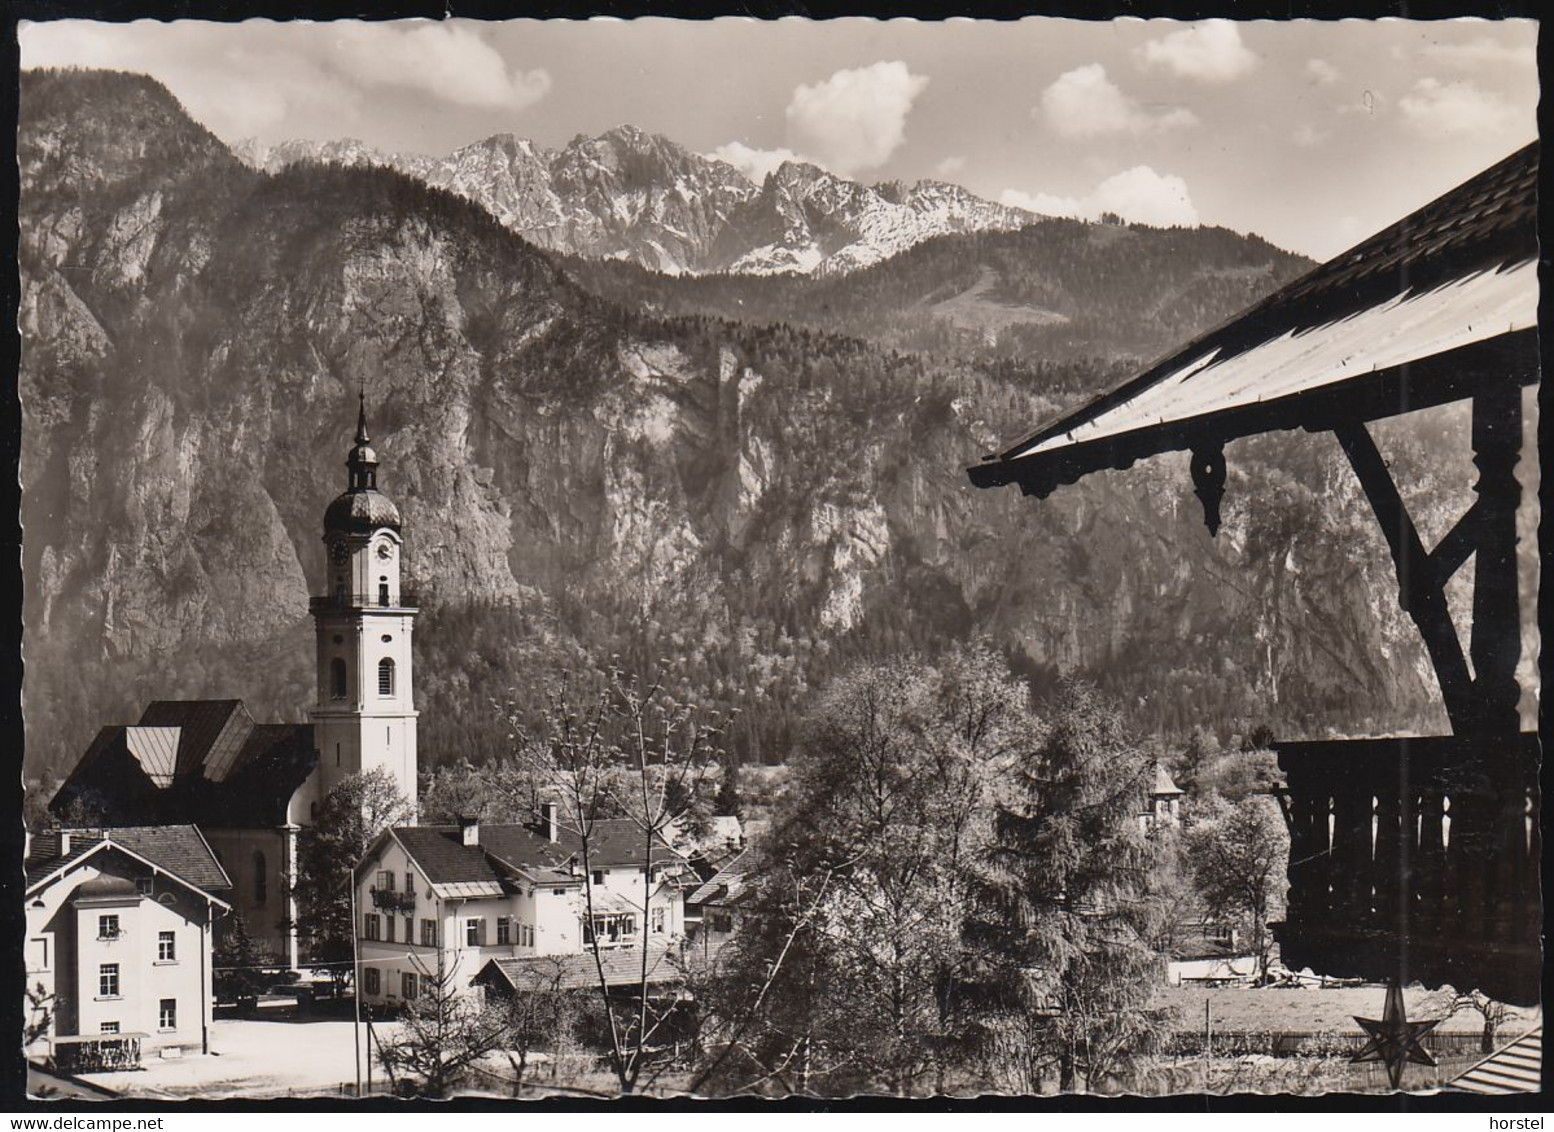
391, 901
406, 599
1416, 858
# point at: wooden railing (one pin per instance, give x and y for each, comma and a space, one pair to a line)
1415, 858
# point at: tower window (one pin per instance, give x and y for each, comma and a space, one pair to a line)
337, 679
385, 677
383, 595
261, 878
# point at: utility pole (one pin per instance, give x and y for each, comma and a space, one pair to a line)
356, 986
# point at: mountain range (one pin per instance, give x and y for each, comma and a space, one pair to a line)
639, 197
750, 505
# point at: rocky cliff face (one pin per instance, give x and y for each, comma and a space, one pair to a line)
755, 505
631, 195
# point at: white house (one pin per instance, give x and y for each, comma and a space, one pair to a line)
450, 899
119, 926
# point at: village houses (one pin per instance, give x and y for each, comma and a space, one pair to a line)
444, 901
118, 951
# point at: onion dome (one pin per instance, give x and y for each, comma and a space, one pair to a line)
362, 508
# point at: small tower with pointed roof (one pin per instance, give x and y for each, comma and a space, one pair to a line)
365, 714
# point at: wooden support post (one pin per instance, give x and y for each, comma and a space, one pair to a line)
1497, 631
1419, 586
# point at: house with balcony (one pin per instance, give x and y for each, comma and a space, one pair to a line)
119, 943
449, 900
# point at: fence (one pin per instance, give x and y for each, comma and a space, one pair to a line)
1305, 1043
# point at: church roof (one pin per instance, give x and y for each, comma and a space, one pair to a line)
1410, 318
362, 508
202, 761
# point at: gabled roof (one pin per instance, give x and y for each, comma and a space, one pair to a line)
576, 970
509, 853
726, 886
1412, 317
1516, 1068
180, 851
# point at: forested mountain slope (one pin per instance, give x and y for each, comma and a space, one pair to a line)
752, 505
1054, 293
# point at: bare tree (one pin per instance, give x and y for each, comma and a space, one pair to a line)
539, 1014
443, 1033
1448, 1003
619, 748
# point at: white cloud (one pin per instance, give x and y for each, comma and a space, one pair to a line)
755, 163
949, 166
856, 119
1321, 72
1434, 107
260, 76
1307, 136
1140, 195
1483, 52
1044, 203
1211, 52
1084, 103
446, 60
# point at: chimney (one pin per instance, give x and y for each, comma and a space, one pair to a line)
469, 831
64, 842
548, 811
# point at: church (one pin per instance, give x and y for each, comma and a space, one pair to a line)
251, 787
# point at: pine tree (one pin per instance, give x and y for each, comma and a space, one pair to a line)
1062, 910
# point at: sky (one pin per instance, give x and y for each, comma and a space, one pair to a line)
1312, 134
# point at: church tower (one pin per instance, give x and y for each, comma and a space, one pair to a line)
365, 716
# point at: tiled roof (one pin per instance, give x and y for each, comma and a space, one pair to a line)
443, 859
576, 970
507, 849
1518, 1068
726, 886
1458, 275
178, 849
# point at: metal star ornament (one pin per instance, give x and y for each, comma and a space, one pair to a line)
1394, 1039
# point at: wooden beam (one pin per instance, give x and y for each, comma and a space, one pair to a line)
1419, 587
1458, 545
1497, 630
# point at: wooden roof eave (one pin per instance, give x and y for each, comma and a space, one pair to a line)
1450, 376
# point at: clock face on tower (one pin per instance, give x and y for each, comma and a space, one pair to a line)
385, 551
